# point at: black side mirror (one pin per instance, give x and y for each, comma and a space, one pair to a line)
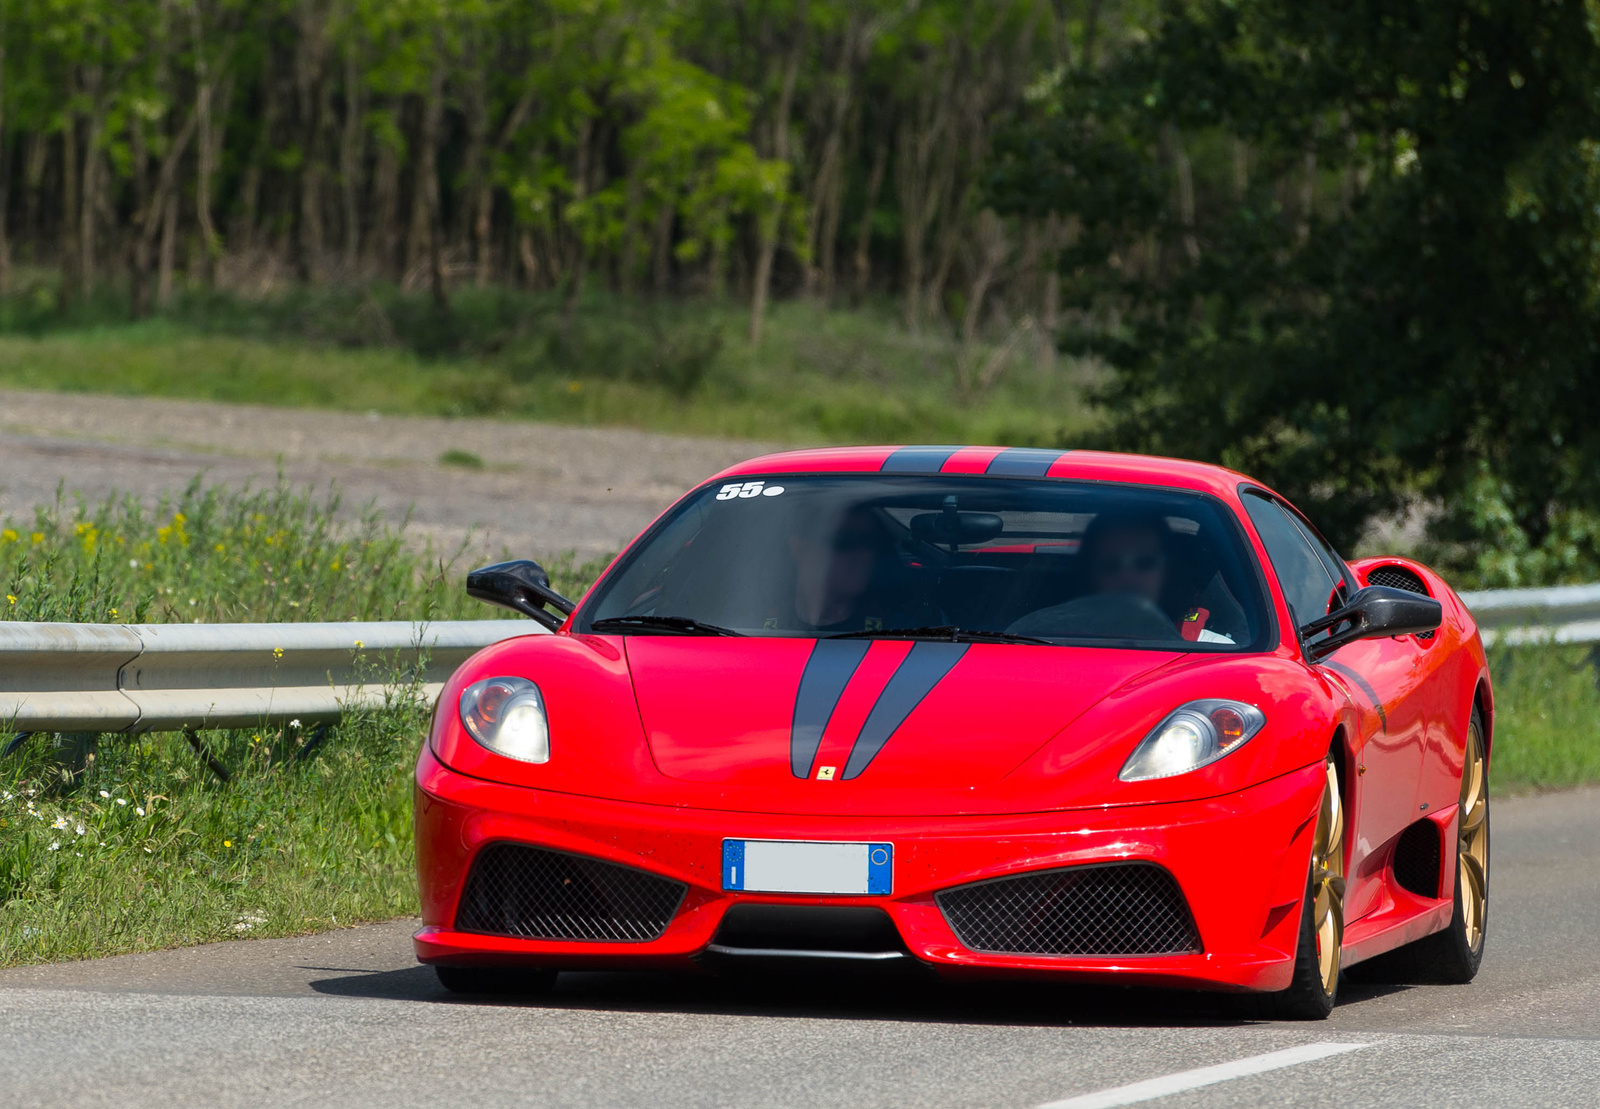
1372, 613
522, 586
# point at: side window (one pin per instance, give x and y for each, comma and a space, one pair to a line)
1330, 558
1306, 580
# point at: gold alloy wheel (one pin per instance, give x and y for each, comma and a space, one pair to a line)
1472, 841
1327, 881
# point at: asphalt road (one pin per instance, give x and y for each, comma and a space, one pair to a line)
348, 1019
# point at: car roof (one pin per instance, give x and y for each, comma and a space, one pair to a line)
1075, 465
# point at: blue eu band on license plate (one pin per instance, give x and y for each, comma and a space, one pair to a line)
796, 866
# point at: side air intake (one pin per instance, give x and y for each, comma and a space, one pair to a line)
1112, 909
1417, 858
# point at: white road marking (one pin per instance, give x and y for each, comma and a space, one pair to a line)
1152, 1088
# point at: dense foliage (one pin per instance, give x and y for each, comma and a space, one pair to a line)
1353, 247
678, 145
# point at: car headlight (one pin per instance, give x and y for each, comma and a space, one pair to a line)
1192, 736
507, 716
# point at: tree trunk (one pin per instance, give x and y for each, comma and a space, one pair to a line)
5, 171
210, 242
772, 222
34, 163
69, 206
249, 218
825, 188
427, 224
385, 208
310, 82
87, 222
661, 250
1183, 176
475, 219
863, 255
169, 250
351, 156
1241, 168
1091, 35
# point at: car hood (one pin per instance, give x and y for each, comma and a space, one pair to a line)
858, 726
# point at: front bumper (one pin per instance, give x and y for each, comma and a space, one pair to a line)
1240, 861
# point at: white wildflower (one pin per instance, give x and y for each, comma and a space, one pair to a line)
80, 829
139, 809
59, 823
122, 800
103, 793
295, 723
55, 845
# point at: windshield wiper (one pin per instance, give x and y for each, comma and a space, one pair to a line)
672, 625
947, 632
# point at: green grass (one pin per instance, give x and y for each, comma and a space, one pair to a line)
144, 847
147, 850
1547, 730
818, 376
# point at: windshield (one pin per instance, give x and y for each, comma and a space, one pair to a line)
939, 556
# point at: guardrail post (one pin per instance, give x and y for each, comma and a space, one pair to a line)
74, 751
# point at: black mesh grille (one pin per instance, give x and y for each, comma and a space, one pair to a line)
532, 893
1119, 909
1416, 859
1398, 577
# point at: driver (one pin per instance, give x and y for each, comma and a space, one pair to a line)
1125, 555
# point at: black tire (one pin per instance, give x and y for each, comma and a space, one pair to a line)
1305, 999
1447, 957
496, 981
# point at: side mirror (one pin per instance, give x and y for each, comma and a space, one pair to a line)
522, 586
1372, 613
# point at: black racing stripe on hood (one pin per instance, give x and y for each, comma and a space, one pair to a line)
923, 668
832, 664
917, 460
1023, 462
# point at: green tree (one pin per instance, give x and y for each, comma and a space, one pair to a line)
1388, 291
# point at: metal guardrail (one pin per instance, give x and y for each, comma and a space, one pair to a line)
1524, 617
188, 677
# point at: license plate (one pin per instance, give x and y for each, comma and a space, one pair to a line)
794, 866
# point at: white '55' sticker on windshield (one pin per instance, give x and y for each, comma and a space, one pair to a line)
745, 490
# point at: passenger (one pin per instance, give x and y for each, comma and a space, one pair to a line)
834, 571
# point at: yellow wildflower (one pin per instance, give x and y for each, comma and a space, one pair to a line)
9, 535
12, 597
227, 843
38, 537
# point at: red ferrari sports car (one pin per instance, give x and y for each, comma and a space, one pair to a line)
986, 711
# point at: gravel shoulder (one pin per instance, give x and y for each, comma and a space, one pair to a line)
544, 488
